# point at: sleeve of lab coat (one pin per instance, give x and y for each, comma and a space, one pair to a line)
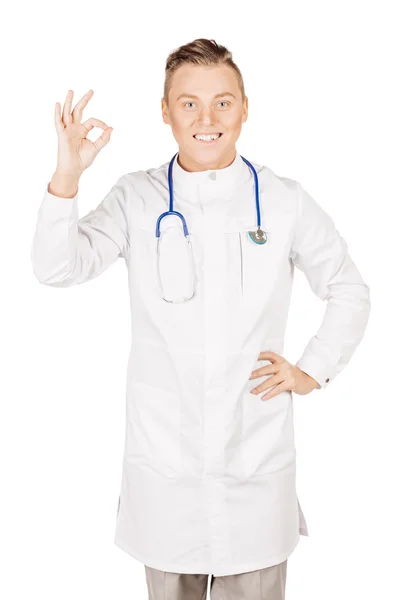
68, 250
321, 253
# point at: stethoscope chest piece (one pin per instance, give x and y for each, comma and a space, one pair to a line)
258, 236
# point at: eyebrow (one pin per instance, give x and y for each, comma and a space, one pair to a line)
216, 95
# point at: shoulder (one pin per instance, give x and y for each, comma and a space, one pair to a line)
143, 178
277, 191
269, 178
146, 187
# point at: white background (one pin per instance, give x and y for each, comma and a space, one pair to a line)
323, 109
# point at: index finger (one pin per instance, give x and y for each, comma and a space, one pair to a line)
269, 355
66, 116
77, 112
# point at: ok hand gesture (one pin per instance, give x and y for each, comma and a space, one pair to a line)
75, 152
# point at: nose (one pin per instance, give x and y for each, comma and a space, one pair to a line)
207, 116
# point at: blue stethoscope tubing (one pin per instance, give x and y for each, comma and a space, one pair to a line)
259, 236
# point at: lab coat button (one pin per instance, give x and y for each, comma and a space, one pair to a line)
326, 380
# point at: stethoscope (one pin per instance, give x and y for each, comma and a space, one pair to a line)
258, 236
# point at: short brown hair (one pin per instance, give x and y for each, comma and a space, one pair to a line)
199, 52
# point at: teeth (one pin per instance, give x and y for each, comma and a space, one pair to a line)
207, 138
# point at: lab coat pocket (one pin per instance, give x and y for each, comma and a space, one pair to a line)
264, 265
255, 264
251, 261
268, 432
153, 422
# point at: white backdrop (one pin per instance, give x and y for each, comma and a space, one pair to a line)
322, 82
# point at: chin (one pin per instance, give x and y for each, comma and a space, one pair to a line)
207, 153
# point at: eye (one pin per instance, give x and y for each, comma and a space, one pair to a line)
188, 103
223, 102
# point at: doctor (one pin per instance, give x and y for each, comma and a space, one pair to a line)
209, 466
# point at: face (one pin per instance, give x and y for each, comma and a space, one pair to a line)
204, 100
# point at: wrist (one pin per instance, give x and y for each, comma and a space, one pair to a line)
64, 184
309, 378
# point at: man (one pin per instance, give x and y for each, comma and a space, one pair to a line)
209, 472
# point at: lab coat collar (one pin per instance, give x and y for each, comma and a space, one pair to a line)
216, 178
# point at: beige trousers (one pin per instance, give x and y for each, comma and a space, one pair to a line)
264, 584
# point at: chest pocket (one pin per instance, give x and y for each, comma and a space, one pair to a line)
249, 263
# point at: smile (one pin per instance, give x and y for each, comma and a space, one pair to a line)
207, 138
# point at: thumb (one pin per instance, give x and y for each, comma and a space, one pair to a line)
103, 139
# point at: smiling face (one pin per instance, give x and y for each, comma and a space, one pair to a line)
205, 100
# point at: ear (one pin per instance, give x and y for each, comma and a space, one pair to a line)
164, 111
245, 109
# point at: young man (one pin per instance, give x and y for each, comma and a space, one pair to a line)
209, 471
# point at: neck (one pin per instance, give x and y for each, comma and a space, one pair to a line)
192, 165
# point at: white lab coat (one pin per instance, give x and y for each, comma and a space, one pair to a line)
209, 470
